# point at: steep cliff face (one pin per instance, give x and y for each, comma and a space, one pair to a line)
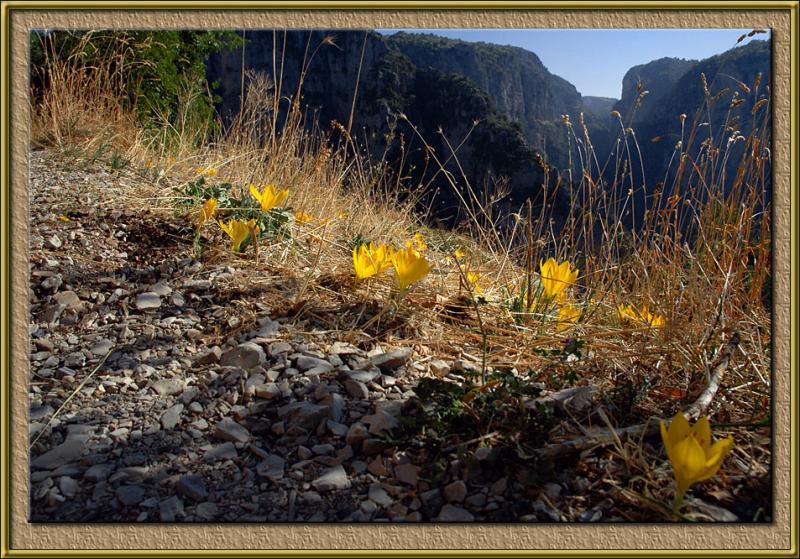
391, 84
447, 85
658, 78
517, 82
676, 88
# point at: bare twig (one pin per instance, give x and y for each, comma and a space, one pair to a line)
77, 389
651, 427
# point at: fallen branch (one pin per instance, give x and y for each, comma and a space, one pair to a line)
606, 437
722, 360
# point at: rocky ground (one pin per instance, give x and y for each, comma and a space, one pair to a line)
142, 407
158, 393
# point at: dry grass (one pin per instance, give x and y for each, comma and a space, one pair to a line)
707, 283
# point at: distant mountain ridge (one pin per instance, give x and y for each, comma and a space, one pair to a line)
448, 85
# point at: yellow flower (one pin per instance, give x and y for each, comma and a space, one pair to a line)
409, 267
420, 243
474, 278
630, 313
691, 453
556, 277
371, 260
459, 253
269, 197
567, 315
207, 171
239, 231
303, 217
206, 212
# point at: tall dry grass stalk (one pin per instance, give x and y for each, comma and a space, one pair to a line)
701, 255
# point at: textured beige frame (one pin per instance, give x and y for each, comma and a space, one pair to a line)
19, 538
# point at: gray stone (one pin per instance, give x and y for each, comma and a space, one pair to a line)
209, 357
162, 289
170, 508
379, 495
304, 414
172, 416
356, 434
277, 348
246, 355
68, 451
102, 347
306, 362
356, 389
40, 412
331, 479
224, 451
206, 511
192, 486
53, 242
455, 492
272, 467
392, 359
337, 405
168, 387
268, 391
130, 495
177, 299
363, 376
343, 348
325, 449
452, 513
148, 301
98, 472
407, 473
381, 423
227, 429
439, 368
68, 486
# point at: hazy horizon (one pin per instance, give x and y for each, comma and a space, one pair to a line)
596, 60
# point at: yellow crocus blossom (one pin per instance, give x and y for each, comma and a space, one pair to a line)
239, 231
556, 277
691, 453
409, 267
269, 197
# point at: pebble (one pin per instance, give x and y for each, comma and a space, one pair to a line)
172, 416
68, 486
306, 362
147, 301
224, 451
227, 429
357, 390
452, 513
379, 495
407, 473
130, 495
206, 511
455, 492
192, 486
170, 509
331, 479
53, 242
246, 355
68, 451
392, 359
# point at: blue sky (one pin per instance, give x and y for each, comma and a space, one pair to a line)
595, 60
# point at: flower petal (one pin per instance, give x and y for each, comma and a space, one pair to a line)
714, 458
679, 429
702, 432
